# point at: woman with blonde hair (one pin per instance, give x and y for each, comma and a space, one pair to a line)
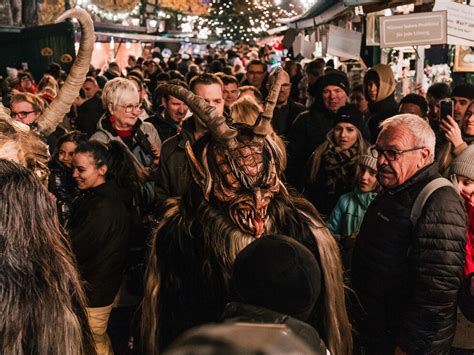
331, 169
246, 110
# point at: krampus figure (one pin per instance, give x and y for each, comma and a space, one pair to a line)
236, 196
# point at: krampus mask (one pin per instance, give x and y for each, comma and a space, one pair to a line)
239, 167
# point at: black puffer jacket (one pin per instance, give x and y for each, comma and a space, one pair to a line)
407, 278
99, 231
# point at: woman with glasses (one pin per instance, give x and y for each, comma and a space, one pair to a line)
459, 137
27, 108
120, 123
331, 169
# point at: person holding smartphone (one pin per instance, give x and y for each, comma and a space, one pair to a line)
459, 135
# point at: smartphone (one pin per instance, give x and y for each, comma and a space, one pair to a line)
446, 108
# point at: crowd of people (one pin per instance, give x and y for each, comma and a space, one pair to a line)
219, 189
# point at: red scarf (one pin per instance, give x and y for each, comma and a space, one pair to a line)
121, 133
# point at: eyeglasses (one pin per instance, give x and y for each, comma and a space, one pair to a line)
21, 114
131, 108
390, 154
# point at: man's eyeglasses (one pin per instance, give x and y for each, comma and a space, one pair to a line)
390, 154
21, 114
131, 108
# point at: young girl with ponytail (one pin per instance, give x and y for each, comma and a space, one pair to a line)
100, 226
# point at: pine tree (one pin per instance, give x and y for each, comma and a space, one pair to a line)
245, 20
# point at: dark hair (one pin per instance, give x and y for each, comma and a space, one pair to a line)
120, 164
358, 88
163, 77
39, 278
417, 100
315, 67
204, 79
439, 91
174, 74
216, 66
256, 62
228, 79
190, 75
74, 136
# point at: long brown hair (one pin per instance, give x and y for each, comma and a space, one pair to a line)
314, 161
43, 302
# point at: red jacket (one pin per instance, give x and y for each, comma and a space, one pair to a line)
469, 267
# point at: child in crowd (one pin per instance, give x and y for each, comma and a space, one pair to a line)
61, 183
462, 175
346, 218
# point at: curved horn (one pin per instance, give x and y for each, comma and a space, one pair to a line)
262, 126
61, 105
215, 123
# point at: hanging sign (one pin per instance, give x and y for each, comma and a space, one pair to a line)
460, 22
344, 43
424, 28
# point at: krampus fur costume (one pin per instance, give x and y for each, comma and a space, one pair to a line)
236, 196
42, 302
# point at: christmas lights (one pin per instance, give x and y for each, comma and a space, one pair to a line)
105, 14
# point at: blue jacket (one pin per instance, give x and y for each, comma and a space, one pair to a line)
349, 212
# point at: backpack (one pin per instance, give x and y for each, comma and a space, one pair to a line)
423, 196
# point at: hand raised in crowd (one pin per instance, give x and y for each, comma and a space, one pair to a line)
156, 152
452, 131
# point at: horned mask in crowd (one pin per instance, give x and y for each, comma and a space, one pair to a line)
239, 168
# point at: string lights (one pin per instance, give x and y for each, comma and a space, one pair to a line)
106, 14
245, 20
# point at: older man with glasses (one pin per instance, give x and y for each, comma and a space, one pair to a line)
409, 255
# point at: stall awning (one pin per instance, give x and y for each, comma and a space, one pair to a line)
321, 12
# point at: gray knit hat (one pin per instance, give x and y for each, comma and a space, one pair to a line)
368, 161
463, 165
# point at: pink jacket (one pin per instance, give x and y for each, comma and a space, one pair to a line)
469, 267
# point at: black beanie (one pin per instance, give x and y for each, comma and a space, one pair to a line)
278, 273
464, 90
336, 78
350, 114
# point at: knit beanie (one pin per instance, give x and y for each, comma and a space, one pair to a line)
463, 165
350, 114
368, 161
336, 78
278, 273
464, 90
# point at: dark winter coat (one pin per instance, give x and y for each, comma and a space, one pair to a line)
63, 186
165, 127
407, 277
308, 132
284, 116
88, 115
379, 112
173, 175
236, 312
466, 300
99, 231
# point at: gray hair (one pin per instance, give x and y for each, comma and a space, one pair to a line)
118, 91
423, 135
